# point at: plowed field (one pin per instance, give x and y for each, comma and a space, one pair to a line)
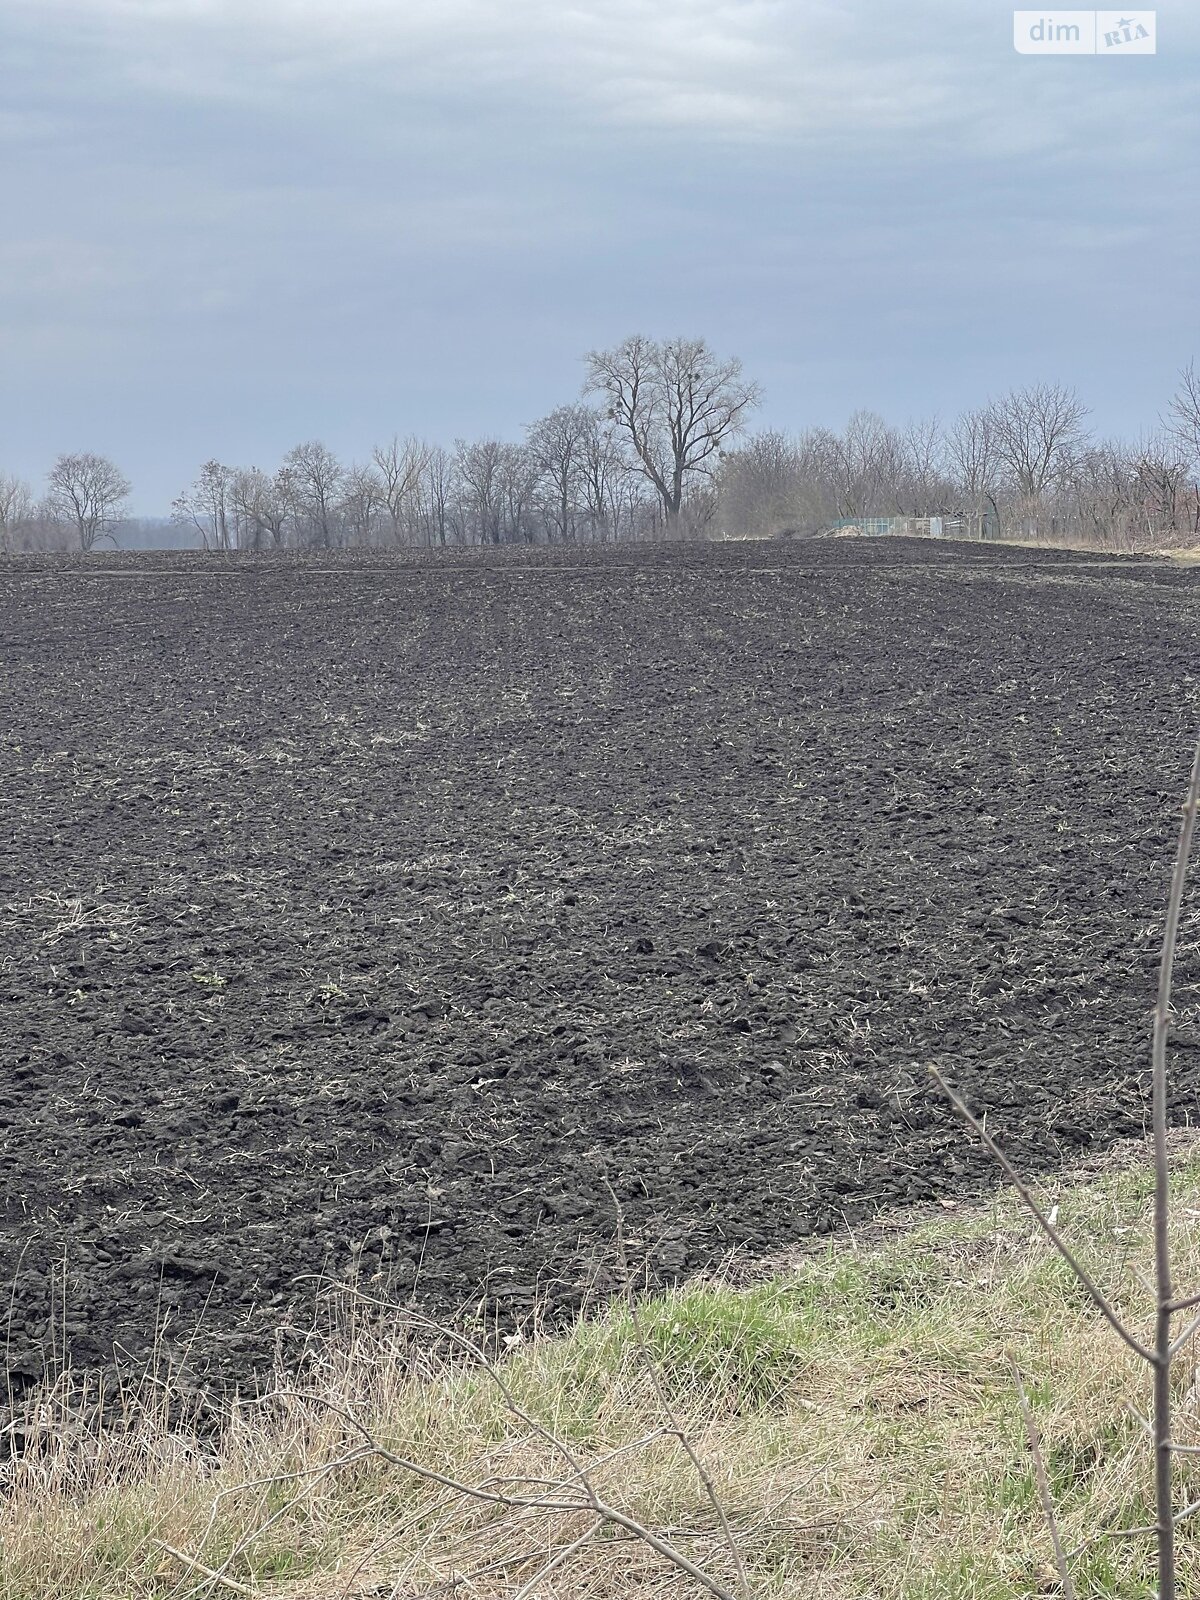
389, 917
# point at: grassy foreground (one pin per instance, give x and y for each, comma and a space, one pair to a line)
856, 1417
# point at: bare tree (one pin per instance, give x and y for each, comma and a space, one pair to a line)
362, 507
259, 510
558, 444
1166, 490
401, 465
973, 459
925, 489
675, 404
434, 495
776, 484
16, 509
478, 467
45, 529
90, 493
1095, 496
205, 506
870, 465
1184, 414
758, 486
611, 489
519, 477
814, 496
312, 480
1036, 431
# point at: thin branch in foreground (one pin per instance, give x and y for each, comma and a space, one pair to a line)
1182, 1340
558, 1499
579, 1473
558, 1559
1143, 1529
1043, 1483
210, 1573
1164, 1350
1050, 1229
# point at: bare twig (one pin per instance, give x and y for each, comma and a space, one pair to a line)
1093, 1539
589, 1500
558, 1559
579, 1473
220, 1578
1160, 1354
372, 1447
1164, 1290
480, 1356
1181, 1340
558, 1499
312, 1477
1043, 1483
1110, 1315
1143, 1528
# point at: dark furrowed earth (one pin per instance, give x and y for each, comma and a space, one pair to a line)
400, 919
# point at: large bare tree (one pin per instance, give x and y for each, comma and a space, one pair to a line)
973, 462
479, 471
89, 492
675, 404
1166, 488
435, 496
519, 476
869, 464
925, 489
1036, 431
613, 491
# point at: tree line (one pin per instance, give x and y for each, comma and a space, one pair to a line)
657, 446
1023, 466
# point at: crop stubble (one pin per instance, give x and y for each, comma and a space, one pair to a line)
383, 917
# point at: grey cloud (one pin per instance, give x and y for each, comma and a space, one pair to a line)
245, 224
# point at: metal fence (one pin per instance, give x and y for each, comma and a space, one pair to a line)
956, 527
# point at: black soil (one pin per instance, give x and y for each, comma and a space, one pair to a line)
385, 917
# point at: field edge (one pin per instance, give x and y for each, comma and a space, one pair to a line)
855, 1415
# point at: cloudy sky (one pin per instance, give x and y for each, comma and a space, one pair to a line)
235, 224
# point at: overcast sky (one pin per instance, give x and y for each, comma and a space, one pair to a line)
232, 225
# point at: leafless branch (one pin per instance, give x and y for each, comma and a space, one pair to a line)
1111, 1316
1161, 1353
1043, 1484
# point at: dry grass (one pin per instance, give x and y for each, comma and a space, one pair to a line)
857, 1417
